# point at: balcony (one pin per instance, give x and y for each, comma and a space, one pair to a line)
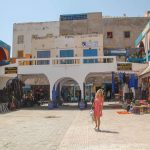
137, 60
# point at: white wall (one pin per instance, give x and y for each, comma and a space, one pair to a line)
55, 44
78, 72
29, 29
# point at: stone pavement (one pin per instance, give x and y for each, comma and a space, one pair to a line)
71, 129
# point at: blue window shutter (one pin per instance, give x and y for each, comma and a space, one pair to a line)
43, 54
66, 53
89, 53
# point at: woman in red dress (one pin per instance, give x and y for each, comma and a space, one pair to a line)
98, 106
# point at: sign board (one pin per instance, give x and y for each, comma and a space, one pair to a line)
90, 44
10, 70
124, 66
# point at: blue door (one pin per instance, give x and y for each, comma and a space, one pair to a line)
67, 53
89, 53
43, 54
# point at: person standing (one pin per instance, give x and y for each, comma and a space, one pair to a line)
98, 106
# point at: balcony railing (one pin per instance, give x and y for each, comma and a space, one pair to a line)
66, 60
136, 60
140, 60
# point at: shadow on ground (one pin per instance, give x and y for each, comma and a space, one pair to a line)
107, 131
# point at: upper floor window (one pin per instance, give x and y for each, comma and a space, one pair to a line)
89, 53
20, 39
109, 35
73, 17
20, 53
67, 53
127, 34
43, 54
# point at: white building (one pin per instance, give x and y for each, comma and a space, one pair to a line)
69, 52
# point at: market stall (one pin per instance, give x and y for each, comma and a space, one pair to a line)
125, 82
145, 83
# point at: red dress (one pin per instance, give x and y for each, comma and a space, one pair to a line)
98, 106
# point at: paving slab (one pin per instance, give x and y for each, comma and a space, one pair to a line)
68, 128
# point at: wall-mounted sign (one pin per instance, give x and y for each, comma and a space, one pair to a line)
124, 66
90, 44
10, 70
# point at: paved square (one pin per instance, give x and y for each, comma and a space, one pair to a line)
72, 129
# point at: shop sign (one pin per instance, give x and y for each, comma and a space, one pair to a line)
124, 66
90, 44
10, 70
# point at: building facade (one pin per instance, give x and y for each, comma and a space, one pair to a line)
83, 39
76, 35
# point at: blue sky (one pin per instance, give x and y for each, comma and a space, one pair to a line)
18, 11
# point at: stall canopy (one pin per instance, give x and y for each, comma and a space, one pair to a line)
34, 79
146, 72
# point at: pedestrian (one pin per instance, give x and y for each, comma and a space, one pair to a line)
98, 106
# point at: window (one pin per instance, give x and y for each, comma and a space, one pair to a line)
67, 53
43, 54
89, 53
127, 34
20, 39
109, 35
73, 17
20, 54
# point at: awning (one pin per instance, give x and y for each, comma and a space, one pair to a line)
145, 73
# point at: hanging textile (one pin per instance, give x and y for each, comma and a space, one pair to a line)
131, 80
124, 78
121, 78
113, 83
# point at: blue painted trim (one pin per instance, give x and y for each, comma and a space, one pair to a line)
73, 17
141, 36
137, 60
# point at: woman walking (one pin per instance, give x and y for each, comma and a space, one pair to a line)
98, 106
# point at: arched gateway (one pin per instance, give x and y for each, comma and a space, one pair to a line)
59, 75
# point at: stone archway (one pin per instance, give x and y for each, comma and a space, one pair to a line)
38, 84
66, 89
95, 81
